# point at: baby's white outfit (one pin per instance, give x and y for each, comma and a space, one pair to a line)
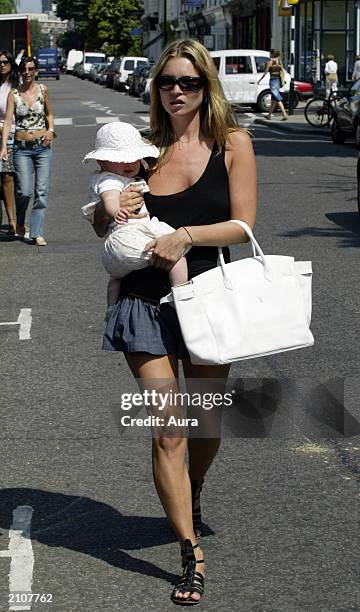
123, 250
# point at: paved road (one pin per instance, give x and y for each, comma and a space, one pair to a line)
279, 503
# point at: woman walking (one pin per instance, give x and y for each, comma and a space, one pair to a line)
205, 176
276, 70
8, 80
34, 133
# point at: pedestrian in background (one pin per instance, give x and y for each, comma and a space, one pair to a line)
8, 80
356, 70
34, 133
331, 75
277, 80
205, 176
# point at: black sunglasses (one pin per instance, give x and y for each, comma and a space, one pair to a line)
4, 62
186, 83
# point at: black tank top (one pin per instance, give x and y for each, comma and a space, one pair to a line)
205, 202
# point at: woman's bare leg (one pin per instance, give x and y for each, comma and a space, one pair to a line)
272, 108
282, 108
168, 453
203, 450
7, 181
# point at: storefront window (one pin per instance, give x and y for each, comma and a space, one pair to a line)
333, 14
325, 27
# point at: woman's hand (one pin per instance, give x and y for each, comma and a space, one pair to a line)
167, 250
131, 199
3, 153
47, 138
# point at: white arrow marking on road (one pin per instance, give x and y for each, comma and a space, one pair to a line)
145, 118
88, 103
21, 553
24, 321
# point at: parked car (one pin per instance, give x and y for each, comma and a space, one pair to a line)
90, 58
78, 69
74, 57
239, 71
127, 66
146, 93
141, 81
111, 71
134, 80
100, 68
92, 72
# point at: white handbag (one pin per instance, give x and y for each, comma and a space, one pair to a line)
247, 308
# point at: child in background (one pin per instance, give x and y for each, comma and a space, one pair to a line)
120, 151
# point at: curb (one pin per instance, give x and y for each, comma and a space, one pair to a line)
294, 129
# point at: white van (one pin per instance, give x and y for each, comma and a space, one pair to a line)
127, 66
239, 71
74, 57
90, 58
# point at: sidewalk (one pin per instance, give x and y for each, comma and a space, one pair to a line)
295, 124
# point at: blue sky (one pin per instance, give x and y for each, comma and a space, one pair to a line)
29, 6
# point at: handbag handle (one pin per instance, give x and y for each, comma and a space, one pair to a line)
255, 248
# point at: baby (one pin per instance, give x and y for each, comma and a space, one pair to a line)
120, 151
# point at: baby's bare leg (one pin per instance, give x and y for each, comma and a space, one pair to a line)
113, 290
179, 272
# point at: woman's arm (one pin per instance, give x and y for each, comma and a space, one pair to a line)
267, 67
49, 117
242, 186
7, 124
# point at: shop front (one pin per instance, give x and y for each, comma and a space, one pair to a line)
325, 27
251, 24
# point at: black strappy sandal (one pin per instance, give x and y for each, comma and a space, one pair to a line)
191, 580
196, 488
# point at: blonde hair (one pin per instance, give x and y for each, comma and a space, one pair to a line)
217, 119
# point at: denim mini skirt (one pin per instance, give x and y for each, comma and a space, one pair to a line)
137, 325
275, 89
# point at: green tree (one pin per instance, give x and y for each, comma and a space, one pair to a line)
37, 37
73, 39
78, 10
7, 6
111, 26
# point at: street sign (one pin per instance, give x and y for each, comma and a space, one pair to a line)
136, 32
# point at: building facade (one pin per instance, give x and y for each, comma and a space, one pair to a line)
322, 27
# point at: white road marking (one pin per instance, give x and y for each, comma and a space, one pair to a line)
145, 118
63, 121
24, 321
101, 120
21, 554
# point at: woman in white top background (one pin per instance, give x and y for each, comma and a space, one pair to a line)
331, 75
8, 79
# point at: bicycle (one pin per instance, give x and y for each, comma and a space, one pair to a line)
320, 111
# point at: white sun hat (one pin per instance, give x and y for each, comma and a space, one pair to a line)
120, 142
